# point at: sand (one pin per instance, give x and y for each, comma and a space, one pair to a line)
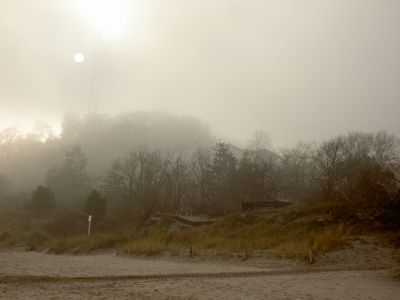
364, 271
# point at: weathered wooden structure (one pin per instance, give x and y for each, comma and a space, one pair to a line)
258, 205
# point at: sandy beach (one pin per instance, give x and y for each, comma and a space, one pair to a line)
366, 270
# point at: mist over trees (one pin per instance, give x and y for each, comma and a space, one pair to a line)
360, 170
139, 163
71, 182
215, 175
103, 138
145, 181
41, 156
4, 191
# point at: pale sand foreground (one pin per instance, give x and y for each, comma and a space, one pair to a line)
362, 272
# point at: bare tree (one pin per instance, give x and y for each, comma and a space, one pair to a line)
386, 150
266, 177
9, 139
201, 167
177, 181
329, 170
6, 199
41, 131
298, 164
260, 141
137, 179
344, 164
4, 185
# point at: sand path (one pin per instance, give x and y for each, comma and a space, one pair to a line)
36, 275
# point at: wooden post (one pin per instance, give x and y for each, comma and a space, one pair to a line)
191, 251
90, 221
311, 256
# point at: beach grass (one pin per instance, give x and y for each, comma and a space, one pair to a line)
284, 232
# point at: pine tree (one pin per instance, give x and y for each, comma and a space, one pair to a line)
224, 175
95, 205
43, 201
71, 182
224, 162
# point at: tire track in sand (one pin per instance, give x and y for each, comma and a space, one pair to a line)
174, 276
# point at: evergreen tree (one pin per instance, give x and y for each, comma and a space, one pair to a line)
43, 201
224, 162
71, 182
95, 205
246, 177
224, 177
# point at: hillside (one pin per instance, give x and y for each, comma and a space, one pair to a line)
286, 232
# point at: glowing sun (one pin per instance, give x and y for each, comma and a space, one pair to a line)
106, 15
78, 57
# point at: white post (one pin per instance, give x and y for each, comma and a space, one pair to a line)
90, 220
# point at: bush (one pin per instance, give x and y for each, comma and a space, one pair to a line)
43, 201
67, 225
95, 205
35, 240
4, 236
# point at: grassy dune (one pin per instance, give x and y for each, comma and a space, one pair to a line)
288, 232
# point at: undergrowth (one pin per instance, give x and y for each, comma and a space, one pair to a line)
288, 232
285, 232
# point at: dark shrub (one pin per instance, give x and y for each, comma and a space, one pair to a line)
35, 240
43, 201
95, 205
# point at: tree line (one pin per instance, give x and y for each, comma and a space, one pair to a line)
26, 158
359, 170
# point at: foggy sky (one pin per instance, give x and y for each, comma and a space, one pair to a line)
299, 70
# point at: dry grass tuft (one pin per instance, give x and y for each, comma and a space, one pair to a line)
286, 232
